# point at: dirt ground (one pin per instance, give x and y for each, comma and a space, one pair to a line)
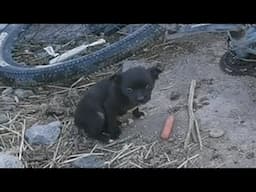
222, 102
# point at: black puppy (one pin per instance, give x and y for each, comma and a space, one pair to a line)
98, 110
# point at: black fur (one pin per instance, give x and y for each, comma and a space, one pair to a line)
97, 112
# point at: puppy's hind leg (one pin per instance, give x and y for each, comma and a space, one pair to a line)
93, 125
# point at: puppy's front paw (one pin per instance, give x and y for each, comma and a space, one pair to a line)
116, 134
137, 114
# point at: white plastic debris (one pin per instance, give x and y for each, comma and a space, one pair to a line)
75, 51
50, 51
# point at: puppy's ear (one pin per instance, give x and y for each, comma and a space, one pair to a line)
155, 71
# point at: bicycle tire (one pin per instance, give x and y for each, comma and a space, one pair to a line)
17, 75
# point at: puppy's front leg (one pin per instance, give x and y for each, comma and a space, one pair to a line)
112, 124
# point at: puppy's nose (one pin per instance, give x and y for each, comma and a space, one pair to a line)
140, 98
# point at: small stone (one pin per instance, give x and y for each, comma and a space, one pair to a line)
130, 121
250, 155
242, 122
215, 133
23, 93
205, 103
3, 118
55, 110
174, 96
43, 134
174, 109
202, 99
9, 161
89, 162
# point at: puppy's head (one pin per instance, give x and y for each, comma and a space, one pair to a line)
137, 83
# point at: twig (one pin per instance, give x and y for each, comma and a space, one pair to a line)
150, 148
108, 150
10, 121
104, 74
152, 57
76, 82
93, 149
8, 129
81, 156
121, 164
64, 154
120, 141
132, 151
198, 133
193, 128
166, 88
55, 153
3, 143
167, 157
185, 162
190, 105
132, 163
119, 154
86, 85
22, 138
168, 163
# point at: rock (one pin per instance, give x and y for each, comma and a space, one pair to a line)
43, 134
174, 95
3, 118
88, 162
250, 155
9, 161
21, 93
215, 133
7, 91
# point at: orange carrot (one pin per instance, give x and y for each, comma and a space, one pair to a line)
166, 132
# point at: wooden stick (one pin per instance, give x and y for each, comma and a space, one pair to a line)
190, 112
198, 133
22, 138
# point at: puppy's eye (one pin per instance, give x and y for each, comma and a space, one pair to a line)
148, 86
129, 90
